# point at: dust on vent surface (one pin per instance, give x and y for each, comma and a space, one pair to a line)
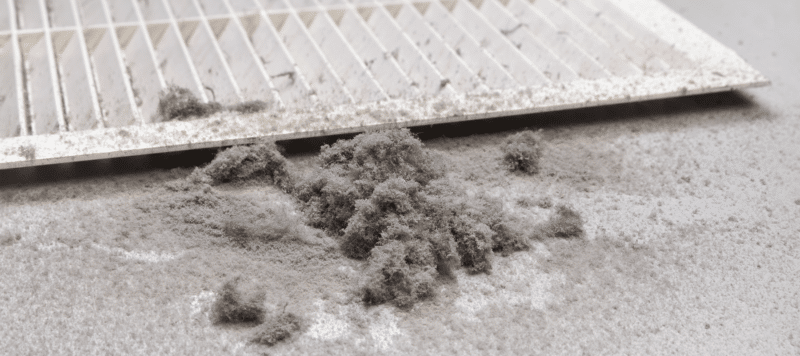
81, 79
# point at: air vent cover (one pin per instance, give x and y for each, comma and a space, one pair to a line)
81, 78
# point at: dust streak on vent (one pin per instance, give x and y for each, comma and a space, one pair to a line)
81, 78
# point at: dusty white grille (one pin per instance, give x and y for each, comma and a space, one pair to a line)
81, 78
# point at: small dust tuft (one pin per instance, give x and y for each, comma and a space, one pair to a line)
276, 328
177, 103
27, 151
249, 107
522, 151
240, 301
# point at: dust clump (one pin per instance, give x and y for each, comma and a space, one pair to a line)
239, 301
262, 160
388, 200
385, 198
522, 151
177, 103
242, 301
277, 328
399, 272
350, 170
564, 223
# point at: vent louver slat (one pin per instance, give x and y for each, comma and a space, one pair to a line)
82, 78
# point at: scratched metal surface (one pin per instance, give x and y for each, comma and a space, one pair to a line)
81, 77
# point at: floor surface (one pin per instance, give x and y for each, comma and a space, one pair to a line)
693, 205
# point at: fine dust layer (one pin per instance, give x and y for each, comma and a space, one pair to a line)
689, 247
683, 249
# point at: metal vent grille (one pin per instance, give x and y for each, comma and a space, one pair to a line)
81, 78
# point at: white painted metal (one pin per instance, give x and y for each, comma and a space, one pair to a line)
111, 78
445, 58
558, 41
12, 105
540, 55
80, 93
341, 56
44, 109
409, 57
494, 42
591, 42
92, 70
174, 60
380, 62
284, 73
213, 70
246, 70
324, 82
142, 66
9, 111
485, 65
621, 41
